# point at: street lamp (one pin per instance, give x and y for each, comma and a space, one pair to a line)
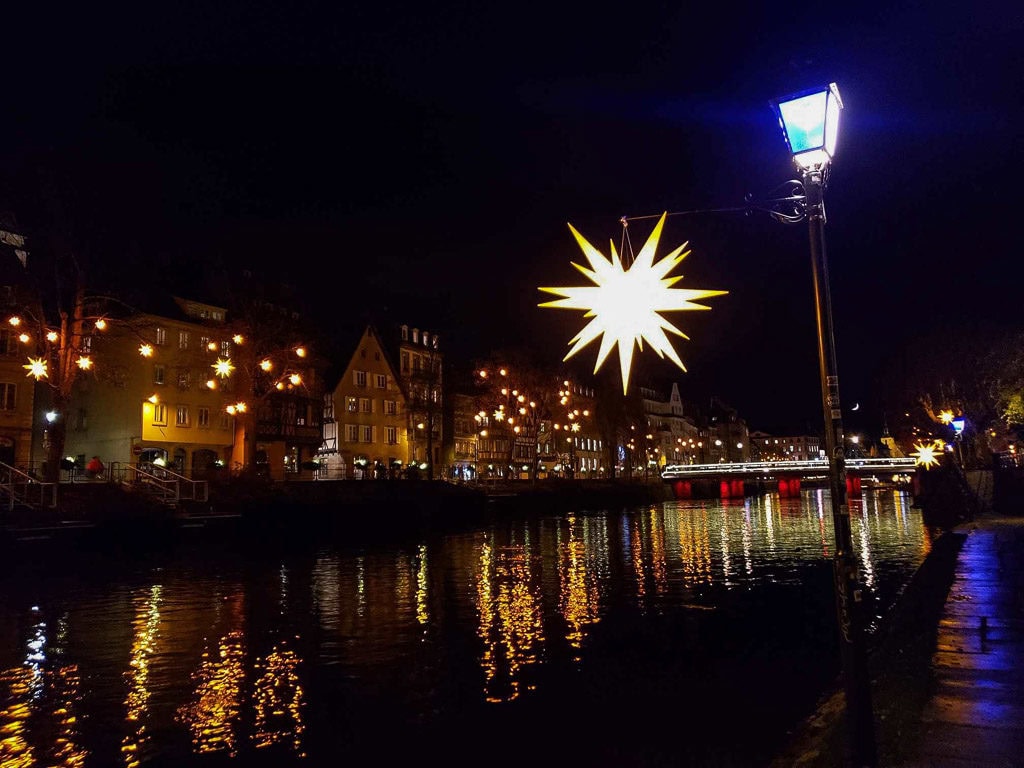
810, 125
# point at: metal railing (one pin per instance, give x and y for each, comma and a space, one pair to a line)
168, 486
19, 487
812, 466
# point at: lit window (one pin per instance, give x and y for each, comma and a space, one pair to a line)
392, 433
352, 433
161, 336
160, 414
183, 339
381, 381
181, 418
158, 374
367, 434
203, 417
225, 349
351, 404
86, 345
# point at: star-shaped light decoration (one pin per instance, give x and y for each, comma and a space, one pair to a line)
223, 368
36, 367
925, 456
625, 302
946, 417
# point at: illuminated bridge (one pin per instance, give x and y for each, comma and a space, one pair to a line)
734, 480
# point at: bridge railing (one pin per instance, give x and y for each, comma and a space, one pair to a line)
762, 468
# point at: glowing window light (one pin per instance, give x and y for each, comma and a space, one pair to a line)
84, 363
146, 350
625, 304
223, 367
52, 336
36, 367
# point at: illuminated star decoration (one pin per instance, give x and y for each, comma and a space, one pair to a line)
223, 368
36, 367
924, 455
624, 303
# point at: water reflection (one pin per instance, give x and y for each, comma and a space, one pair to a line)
39, 722
306, 653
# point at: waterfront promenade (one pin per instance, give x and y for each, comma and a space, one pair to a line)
948, 674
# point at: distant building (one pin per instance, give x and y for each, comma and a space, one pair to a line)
365, 432
148, 398
766, 447
724, 434
17, 393
675, 438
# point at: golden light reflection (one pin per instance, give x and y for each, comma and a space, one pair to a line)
578, 598
695, 547
278, 701
15, 751
509, 611
67, 752
625, 303
422, 587
145, 627
212, 717
656, 535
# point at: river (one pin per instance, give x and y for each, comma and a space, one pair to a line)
688, 633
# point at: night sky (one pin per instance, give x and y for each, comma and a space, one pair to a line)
424, 160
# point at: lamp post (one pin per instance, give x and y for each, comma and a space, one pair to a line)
810, 124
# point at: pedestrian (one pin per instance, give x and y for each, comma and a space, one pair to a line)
94, 468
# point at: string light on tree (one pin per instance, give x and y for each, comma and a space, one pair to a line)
625, 303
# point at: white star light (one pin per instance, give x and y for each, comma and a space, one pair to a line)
625, 302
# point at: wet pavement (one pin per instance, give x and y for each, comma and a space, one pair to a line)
975, 713
948, 675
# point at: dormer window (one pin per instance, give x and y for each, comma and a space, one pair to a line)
415, 335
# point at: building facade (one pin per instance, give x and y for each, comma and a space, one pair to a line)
365, 431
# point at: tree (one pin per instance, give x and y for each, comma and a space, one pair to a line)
513, 398
618, 416
424, 401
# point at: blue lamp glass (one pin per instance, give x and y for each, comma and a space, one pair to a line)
810, 124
